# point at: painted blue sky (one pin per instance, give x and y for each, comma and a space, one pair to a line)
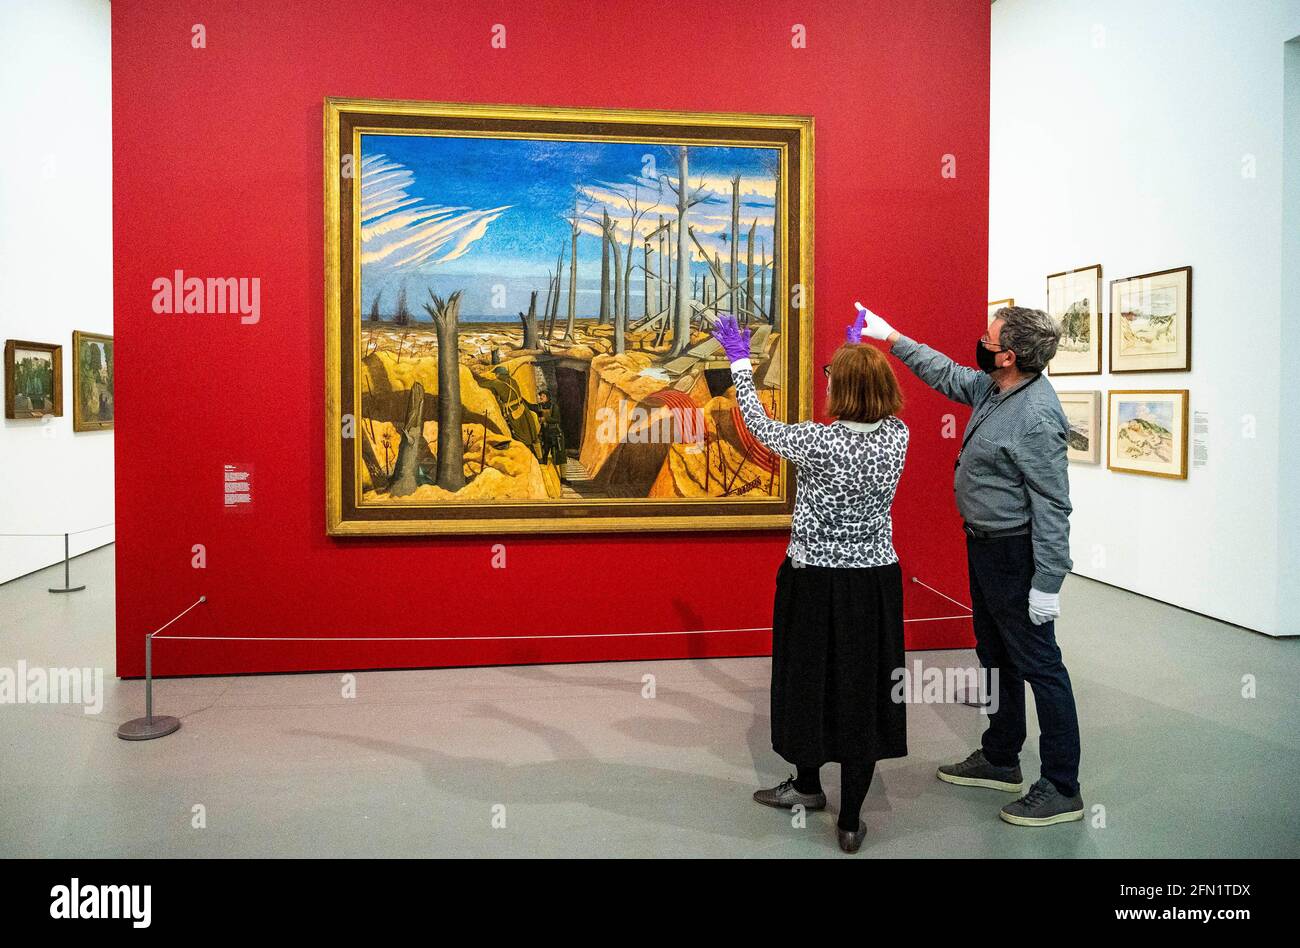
470, 213
1160, 413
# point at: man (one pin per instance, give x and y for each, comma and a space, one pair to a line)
522, 424
552, 431
1013, 493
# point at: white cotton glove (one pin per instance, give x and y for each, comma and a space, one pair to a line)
1043, 607
875, 328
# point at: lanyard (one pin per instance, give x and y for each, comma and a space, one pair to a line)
971, 433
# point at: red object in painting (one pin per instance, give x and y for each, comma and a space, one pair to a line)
755, 451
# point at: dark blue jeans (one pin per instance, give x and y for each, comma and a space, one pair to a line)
1005, 639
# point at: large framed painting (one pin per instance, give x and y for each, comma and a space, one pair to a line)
1151, 322
33, 379
518, 304
92, 381
995, 305
1074, 299
1148, 432
1083, 414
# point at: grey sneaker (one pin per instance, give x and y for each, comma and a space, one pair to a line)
976, 771
1043, 805
786, 796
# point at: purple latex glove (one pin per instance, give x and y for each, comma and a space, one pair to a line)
734, 342
853, 335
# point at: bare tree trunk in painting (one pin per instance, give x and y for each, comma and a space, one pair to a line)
733, 274
682, 309
451, 443
573, 275
408, 451
530, 323
604, 267
749, 273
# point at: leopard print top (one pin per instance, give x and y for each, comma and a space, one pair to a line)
847, 474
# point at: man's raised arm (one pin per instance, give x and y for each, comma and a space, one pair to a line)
961, 383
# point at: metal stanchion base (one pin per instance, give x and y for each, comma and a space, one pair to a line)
69, 589
144, 729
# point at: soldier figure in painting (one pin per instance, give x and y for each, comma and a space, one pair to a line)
552, 432
523, 426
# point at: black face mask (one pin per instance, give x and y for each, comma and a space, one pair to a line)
985, 358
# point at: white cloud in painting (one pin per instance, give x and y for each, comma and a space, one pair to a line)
709, 220
402, 232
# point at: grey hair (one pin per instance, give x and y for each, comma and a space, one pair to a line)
1031, 334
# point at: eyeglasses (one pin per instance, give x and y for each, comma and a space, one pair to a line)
989, 344
826, 370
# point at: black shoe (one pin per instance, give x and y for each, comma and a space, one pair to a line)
1043, 805
784, 795
976, 771
851, 840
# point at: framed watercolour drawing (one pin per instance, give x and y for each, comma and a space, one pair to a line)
33, 379
1147, 432
518, 303
1074, 299
1151, 322
92, 381
1083, 414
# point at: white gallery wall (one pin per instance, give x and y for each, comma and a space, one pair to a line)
1145, 136
56, 266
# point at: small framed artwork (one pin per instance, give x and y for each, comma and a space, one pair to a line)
92, 381
1147, 432
1074, 300
1151, 322
995, 305
1083, 414
33, 379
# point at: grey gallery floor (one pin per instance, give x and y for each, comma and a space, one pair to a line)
572, 760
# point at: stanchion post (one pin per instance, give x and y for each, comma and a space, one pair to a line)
149, 727
148, 678
67, 588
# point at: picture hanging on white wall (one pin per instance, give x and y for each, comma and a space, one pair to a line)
1083, 413
995, 305
1074, 300
1148, 432
33, 379
1151, 322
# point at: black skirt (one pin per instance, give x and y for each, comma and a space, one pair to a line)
837, 641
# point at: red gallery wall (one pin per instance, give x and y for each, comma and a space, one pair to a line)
217, 172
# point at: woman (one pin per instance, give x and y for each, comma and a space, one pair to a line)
837, 622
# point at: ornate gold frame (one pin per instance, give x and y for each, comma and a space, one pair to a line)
78, 422
800, 128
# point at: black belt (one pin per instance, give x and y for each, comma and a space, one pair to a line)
995, 534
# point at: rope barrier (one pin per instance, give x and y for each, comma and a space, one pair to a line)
466, 638
61, 533
149, 727
67, 586
944, 595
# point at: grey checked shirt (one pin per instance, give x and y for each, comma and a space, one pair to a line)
1013, 471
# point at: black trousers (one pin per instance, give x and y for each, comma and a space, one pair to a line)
1006, 640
